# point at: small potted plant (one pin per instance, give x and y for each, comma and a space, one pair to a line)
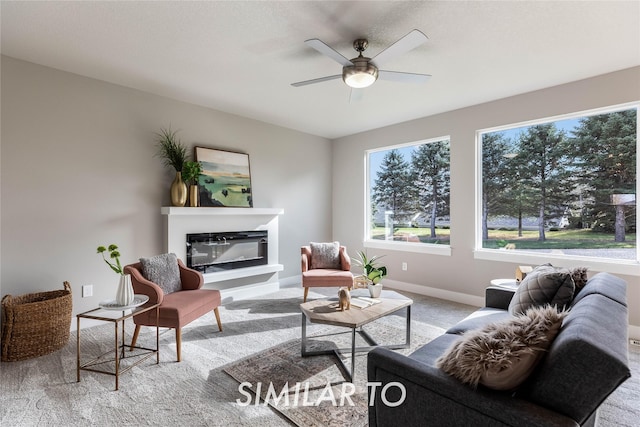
190, 173
372, 273
173, 154
124, 295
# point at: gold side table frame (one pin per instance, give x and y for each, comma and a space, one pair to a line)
117, 317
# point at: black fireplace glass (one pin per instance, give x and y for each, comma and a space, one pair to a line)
221, 251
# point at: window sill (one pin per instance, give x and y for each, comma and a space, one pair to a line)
626, 267
422, 248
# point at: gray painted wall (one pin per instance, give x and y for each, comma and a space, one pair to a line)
78, 170
460, 272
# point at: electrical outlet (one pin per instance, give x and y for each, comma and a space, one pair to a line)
634, 341
87, 291
404, 266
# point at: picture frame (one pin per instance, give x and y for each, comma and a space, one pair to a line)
225, 180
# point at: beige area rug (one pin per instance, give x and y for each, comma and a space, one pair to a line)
312, 391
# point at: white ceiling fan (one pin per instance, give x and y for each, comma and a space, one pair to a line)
362, 72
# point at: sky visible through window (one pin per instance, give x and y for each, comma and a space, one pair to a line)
376, 157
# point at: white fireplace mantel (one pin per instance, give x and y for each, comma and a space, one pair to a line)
182, 221
215, 212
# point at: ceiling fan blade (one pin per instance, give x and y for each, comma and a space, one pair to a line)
397, 76
412, 40
327, 50
356, 95
313, 81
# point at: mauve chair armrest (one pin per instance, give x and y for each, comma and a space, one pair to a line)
345, 260
191, 279
142, 285
305, 260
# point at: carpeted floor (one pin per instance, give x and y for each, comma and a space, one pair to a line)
197, 391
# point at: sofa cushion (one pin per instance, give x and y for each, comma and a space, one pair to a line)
479, 318
325, 255
544, 285
604, 284
502, 355
162, 270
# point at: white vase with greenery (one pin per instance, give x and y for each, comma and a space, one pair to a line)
124, 294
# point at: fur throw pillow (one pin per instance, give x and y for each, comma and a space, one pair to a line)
579, 276
502, 355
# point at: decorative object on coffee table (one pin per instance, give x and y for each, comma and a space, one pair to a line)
173, 154
372, 273
124, 294
225, 180
345, 299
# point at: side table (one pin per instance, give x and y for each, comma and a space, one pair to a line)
117, 316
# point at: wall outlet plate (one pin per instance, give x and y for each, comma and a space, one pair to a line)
634, 341
87, 291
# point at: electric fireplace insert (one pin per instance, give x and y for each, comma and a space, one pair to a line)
211, 252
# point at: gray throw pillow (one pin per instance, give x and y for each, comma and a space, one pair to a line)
162, 270
325, 255
544, 285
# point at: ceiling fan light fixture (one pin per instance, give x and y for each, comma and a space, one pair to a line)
358, 76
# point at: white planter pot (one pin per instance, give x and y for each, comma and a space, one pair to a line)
374, 290
125, 295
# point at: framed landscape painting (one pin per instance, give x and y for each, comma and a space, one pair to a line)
225, 180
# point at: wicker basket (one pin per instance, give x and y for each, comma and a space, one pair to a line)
35, 324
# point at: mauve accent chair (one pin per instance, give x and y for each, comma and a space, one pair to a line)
325, 277
177, 309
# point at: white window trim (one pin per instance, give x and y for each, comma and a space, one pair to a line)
626, 267
424, 248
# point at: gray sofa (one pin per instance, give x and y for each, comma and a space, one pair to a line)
587, 361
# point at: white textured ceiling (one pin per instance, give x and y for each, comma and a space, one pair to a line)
240, 57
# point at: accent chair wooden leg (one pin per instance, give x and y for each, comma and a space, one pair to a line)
306, 292
134, 339
215, 311
179, 343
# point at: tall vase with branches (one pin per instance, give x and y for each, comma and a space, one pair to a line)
173, 154
124, 294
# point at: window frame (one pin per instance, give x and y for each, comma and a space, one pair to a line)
627, 267
414, 247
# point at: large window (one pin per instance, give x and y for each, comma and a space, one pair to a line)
565, 187
408, 193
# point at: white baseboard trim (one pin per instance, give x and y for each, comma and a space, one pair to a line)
436, 293
634, 332
291, 282
248, 291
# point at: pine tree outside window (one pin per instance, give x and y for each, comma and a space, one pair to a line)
408, 189
562, 187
